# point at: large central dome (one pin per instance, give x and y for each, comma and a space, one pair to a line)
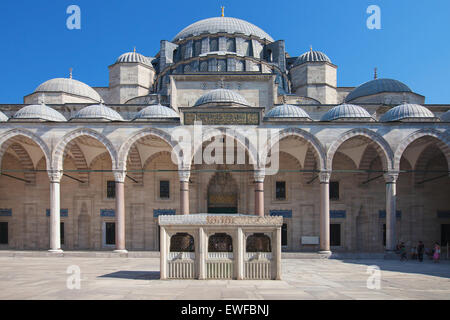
222, 24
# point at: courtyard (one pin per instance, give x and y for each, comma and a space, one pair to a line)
105, 278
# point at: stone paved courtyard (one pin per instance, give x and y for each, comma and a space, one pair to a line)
137, 278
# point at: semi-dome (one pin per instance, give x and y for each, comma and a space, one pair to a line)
347, 112
222, 96
70, 86
312, 56
3, 117
134, 57
222, 24
287, 111
97, 112
38, 112
377, 86
409, 112
446, 116
156, 112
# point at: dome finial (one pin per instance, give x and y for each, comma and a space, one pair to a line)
70, 73
375, 74
134, 49
223, 11
310, 48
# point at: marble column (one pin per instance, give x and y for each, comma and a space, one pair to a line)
324, 177
201, 254
240, 254
277, 251
120, 211
163, 251
391, 210
55, 212
184, 191
259, 193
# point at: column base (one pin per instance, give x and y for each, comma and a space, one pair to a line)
55, 251
325, 252
121, 251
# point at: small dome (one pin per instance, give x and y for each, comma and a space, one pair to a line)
222, 24
408, 112
347, 112
3, 117
287, 111
446, 116
377, 86
39, 112
134, 57
97, 112
222, 96
312, 56
69, 86
156, 112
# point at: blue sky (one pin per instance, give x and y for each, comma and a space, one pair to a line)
413, 45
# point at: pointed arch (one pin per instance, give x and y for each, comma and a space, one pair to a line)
126, 146
315, 145
6, 141
234, 134
58, 152
375, 140
443, 144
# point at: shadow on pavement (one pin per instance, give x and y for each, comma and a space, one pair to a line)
134, 275
441, 269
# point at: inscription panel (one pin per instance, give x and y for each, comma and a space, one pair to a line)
224, 118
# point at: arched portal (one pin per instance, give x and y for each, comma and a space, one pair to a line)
423, 183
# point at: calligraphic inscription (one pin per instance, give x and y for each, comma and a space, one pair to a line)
244, 220
225, 118
222, 199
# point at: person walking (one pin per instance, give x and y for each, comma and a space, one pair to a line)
420, 250
403, 255
437, 253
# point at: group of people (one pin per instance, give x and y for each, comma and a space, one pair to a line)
419, 251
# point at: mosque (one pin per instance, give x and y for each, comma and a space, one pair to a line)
92, 168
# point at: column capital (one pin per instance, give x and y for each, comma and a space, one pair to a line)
120, 175
55, 176
259, 175
185, 174
391, 177
324, 176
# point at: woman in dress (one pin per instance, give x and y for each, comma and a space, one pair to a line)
437, 253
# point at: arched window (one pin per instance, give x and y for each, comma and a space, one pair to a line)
204, 66
239, 65
220, 242
182, 242
197, 48
231, 45
221, 65
258, 242
214, 45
